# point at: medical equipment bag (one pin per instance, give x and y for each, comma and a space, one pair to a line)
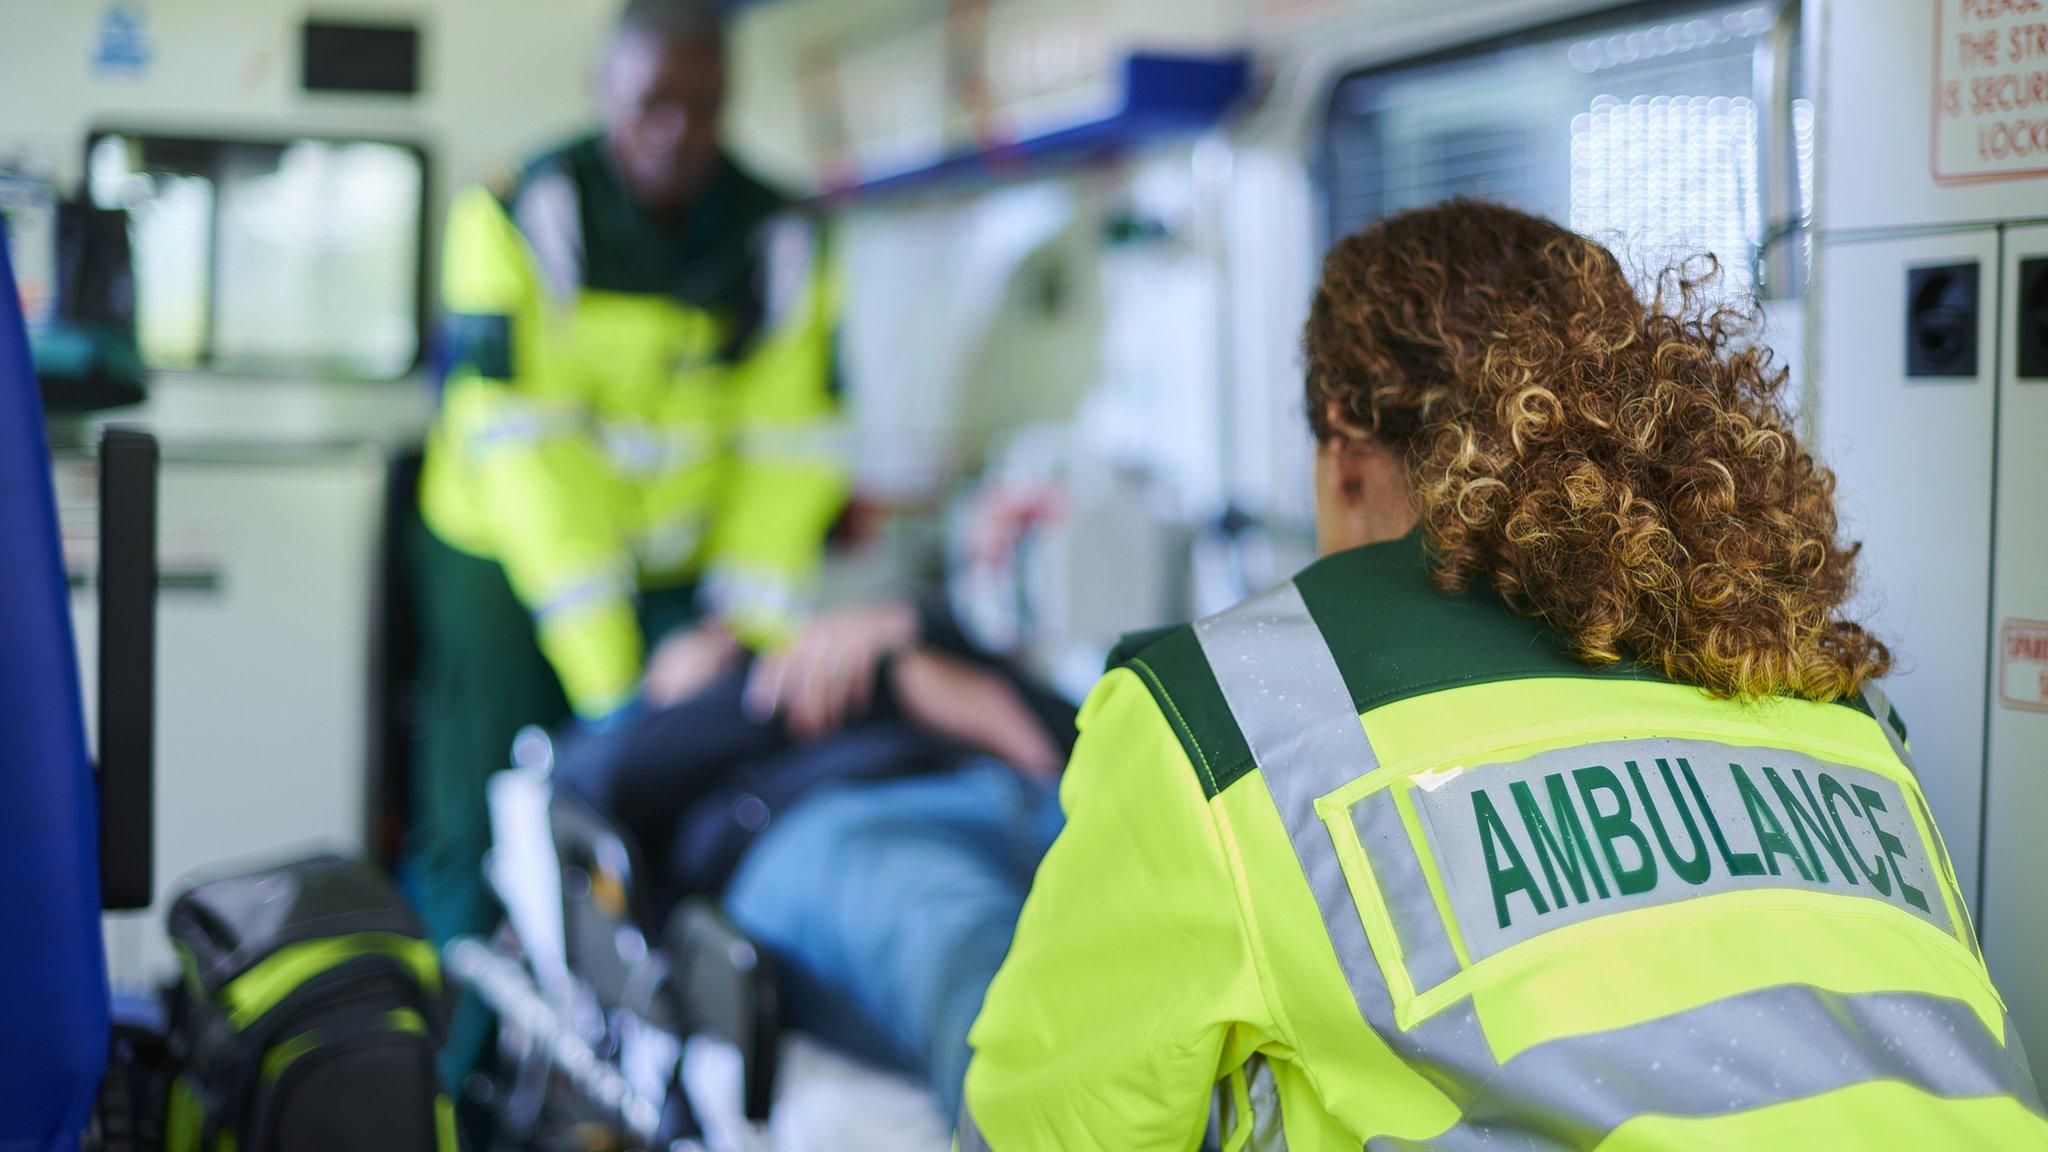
307, 1015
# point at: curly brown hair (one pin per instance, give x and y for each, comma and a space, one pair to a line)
1625, 470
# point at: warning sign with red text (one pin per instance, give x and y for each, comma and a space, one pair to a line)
1990, 89
2023, 664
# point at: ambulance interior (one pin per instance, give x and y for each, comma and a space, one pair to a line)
1076, 243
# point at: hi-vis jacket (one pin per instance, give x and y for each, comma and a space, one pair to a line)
1385, 868
629, 408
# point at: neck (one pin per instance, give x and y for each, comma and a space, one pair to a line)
1372, 529
667, 206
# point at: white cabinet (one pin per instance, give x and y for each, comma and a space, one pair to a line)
1944, 478
263, 649
1913, 455
1926, 163
2014, 918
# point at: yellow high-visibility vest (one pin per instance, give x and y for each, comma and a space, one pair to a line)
632, 409
1374, 867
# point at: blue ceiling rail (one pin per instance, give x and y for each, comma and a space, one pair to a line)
1163, 95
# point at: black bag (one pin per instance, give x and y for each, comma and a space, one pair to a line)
307, 1016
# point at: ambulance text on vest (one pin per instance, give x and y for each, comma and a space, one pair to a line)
1575, 833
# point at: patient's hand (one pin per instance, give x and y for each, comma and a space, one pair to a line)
686, 662
826, 676
952, 697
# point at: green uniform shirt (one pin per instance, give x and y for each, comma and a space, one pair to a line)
631, 405
1380, 867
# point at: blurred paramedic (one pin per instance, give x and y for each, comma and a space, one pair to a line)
1553, 808
637, 437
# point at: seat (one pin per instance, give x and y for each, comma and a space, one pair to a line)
53, 984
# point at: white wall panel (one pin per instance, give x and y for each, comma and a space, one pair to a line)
1877, 80
1913, 456
263, 652
2015, 913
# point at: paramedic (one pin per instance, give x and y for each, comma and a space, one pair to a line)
1554, 807
636, 438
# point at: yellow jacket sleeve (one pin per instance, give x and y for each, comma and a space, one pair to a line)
789, 478
514, 406
1130, 989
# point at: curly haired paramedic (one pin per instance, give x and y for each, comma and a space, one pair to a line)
1555, 807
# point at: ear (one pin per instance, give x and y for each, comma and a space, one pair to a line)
1346, 465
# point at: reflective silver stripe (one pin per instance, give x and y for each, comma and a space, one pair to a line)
806, 442
1881, 707
744, 593
1425, 944
1573, 1092
1297, 717
789, 248
664, 546
581, 594
968, 1138
518, 427
641, 450
1269, 1134
549, 214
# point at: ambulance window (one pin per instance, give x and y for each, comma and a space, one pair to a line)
296, 257
1644, 131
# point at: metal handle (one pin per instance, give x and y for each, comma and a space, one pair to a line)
510, 991
127, 668
1773, 268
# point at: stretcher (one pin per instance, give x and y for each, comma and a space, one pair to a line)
656, 1035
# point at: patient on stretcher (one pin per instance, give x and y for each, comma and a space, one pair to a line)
869, 804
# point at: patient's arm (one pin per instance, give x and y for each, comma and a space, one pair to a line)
686, 663
825, 676
972, 704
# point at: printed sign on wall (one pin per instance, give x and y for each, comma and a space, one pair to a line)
1990, 90
2023, 664
122, 47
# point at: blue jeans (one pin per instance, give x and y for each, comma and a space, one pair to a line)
887, 907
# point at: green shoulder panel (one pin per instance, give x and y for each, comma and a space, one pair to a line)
1394, 635
707, 260
1174, 670
1132, 643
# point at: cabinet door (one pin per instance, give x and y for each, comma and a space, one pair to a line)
1913, 453
263, 641
2014, 920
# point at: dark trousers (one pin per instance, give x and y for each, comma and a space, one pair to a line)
481, 678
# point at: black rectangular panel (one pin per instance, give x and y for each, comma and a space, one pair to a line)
1941, 320
2032, 316
127, 668
360, 58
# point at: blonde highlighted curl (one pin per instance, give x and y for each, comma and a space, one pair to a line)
1624, 470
